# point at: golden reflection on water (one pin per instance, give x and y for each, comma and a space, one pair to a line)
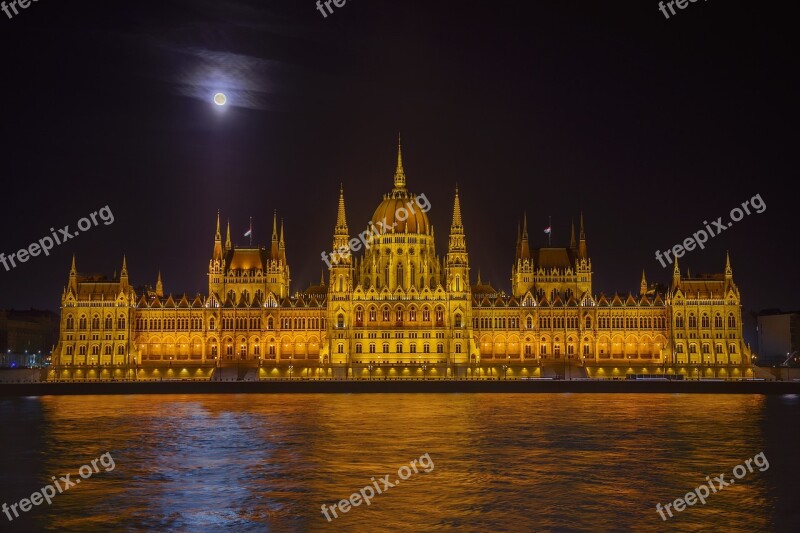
502, 462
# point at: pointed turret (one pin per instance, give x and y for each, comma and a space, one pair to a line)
341, 217
217, 241
123, 275
573, 244
73, 276
274, 251
583, 252
341, 233
676, 275
643, 285
159, 286
399, 173
282, 246
228, 245
457, 225
524, 246
728, 269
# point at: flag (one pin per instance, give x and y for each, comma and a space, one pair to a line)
248, 233
548, 229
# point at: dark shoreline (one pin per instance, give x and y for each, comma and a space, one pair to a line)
398, 386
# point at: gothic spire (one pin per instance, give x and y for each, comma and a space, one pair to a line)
399, 173
341, 218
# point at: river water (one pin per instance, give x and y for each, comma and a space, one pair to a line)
497, 462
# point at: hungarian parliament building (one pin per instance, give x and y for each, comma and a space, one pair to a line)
399, 310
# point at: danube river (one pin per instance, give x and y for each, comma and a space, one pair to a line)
497, 462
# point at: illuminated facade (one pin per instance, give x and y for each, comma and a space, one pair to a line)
399, 310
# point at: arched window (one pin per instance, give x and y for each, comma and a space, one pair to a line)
341, 283
731, 322
705, 321
529, 323
678, 320
588, 322
107, 349
386, 314
270, 323
692, 321
457, 321
82, 322
458, 284
340, 320
120, 350
121, 322
212, 323
108, 322
70, 322
400, 280
95, 322
717, 321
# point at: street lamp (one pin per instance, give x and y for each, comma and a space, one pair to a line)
291, 367
370, 371
424, 368
505, 371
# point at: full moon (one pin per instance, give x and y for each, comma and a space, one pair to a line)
220, 99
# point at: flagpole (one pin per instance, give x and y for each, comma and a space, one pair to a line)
251, 232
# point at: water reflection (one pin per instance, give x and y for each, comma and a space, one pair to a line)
503, 461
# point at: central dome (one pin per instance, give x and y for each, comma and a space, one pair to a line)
402, 214
399, 210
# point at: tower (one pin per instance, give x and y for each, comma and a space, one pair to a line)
522, 272
340, 288
459, 294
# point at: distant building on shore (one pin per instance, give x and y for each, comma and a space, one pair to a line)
27, 337
778, 337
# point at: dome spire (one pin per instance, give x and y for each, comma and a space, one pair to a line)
399, 174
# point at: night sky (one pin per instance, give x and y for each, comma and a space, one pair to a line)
649, 126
